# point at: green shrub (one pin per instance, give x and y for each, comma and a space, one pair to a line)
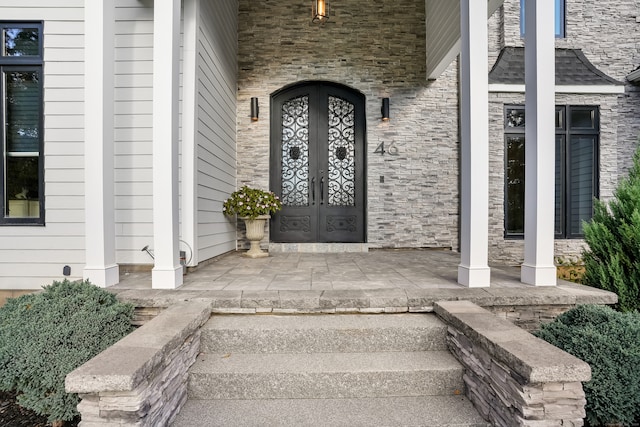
609, 341
46, 335
612, 261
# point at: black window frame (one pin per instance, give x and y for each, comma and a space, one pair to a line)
564, 131
22, 63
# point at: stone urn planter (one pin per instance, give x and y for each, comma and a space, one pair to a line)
255, 207
255, 234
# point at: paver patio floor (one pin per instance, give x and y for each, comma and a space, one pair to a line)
379, 281
377, 269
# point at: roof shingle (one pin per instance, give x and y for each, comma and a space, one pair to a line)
572, 68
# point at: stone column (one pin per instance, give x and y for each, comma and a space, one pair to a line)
167, 272
101, 268
473, 270
538, 267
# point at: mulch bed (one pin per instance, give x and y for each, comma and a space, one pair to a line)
14, 415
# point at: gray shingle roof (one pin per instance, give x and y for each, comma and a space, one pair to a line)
572, 68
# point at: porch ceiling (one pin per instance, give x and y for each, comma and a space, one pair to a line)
443, 33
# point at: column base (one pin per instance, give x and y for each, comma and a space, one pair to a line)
102, 277
474, 277
166, 278
538, 275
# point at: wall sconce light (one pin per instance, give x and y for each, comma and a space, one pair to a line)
385, 110
254, 109
319, 11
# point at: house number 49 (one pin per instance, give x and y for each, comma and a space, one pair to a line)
391, 149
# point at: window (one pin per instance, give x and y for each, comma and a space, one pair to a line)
21, 169
577, 140
560, 21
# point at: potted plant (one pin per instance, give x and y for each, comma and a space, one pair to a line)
255, 207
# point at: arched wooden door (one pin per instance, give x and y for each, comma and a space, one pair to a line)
318, 163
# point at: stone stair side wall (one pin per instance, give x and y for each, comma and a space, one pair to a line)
142, 379
512, 377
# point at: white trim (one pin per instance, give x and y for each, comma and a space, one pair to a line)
191, 20
539, 195
167, 271
634, 76
473, 270
577, 89
100, 242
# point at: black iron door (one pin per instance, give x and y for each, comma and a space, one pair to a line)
317, 163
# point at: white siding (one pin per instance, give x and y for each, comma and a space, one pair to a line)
133, 130
33, 256
443, 31
215, 127
216, 124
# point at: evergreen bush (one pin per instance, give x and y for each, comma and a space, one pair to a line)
612, 260
46, 335
609, 341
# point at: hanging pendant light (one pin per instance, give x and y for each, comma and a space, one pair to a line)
319, 11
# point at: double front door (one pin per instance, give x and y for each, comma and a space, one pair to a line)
317, 163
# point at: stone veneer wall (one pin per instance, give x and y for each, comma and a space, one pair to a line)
142, 379
607, 32
380, 50
512, 377
588, 27
529, 317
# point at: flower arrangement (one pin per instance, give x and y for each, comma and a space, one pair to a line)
250, 203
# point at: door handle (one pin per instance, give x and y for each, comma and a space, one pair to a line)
313, 190
322, 190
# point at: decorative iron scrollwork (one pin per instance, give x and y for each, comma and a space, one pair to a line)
342, 223
341, 144
295, 223
295, 152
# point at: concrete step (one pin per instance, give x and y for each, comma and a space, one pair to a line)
395, 411
324, 375
344, 370
323, 333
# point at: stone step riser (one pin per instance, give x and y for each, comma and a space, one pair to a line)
322, 341
323, 334
394, 411
325, 385
321, 357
